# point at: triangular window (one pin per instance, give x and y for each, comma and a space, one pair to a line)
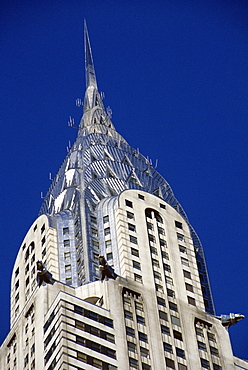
111, 191
110, 173
148, 172
107, 156
158, 192
94, 175
126, 161
93, 157
134, 179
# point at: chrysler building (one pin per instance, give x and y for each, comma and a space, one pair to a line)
111, 275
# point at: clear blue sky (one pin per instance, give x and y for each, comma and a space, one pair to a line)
175, 76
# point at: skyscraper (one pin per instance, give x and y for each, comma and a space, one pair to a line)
155, 311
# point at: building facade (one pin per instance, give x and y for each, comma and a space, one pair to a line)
158, 313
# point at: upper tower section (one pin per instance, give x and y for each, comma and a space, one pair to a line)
99, 167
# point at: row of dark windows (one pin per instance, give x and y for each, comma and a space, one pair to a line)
93, 316
94, 331
95, 346
95, 362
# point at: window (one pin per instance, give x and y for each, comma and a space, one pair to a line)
109, 256
155, 262
66, 243
140, 319
169, 363
162, 243
170, 293
149, 226
141, 196
161, 301
175, 320
163, 315
154, 250
205, 364
133, 239
97, 363
167, 347
201, 346
169, 280
180, 352
128, 315
138, 278
136, 265
131, 227
93, 219
65, 230
214, 351
159, 288
67, 268
27, 281
146, 367
130, 215
199, 331
151, 238
131, 346
144, 352
182, 248
135, 252
143, 337
108, 243
133, 363
161, 230
177, 335
17, 272
178, 224
130, 331
187, 274
139, 306
180, 237
107, 231
105, 219
94, 232
67, 256
191, 301
184, 261
211, 336
217, 367
27, 253
129, 203
17, 284
182, 367
157, 275
42, 228
173, 306
162, 206
165, 330
167, 267
127, 300
165, 255
189, 287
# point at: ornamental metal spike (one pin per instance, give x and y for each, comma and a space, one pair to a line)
89, 65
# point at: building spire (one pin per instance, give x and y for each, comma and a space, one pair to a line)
89, 65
